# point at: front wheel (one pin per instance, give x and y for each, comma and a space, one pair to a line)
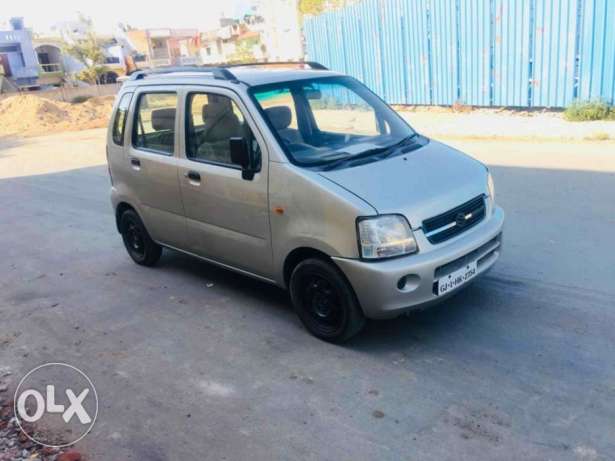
324, 301
141, 248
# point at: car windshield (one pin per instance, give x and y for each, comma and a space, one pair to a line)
331, 120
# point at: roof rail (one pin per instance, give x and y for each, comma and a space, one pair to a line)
311, 64
219, 73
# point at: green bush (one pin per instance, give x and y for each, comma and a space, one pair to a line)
583, 111
598, 136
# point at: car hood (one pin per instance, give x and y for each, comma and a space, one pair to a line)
420, 184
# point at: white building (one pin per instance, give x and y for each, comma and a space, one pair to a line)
281, 30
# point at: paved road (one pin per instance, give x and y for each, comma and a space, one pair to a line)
192, 362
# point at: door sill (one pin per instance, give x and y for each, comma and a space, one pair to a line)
223, 265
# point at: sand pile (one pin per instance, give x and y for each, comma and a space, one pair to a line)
29, 115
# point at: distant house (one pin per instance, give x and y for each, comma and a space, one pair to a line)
271, 32
235, 40
18, 63
221, 44
57, 67
164, 47
53, 65
281, 30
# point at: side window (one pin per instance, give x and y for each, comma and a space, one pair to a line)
211, 121
154, 124
119, 121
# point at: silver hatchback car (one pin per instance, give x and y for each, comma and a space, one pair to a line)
303, 178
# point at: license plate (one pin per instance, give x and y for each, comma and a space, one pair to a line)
457, 278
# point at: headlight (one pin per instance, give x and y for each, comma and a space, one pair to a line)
385, 236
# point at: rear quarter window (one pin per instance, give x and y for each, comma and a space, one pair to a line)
119, 120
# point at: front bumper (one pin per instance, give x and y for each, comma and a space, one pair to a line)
376, 283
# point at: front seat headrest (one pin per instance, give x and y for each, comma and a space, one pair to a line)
280, 117
163, 119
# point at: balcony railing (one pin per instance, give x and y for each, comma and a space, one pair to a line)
51, 68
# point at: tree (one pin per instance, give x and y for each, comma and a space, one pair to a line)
315, 7
243, 53
88, 51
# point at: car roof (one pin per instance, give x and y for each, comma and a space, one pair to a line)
253, 76
250, 75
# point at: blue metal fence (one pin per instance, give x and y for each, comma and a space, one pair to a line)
523, 53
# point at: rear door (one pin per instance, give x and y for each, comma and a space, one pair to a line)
227, 217
152, 162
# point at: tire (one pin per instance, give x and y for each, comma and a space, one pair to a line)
324, 301
139, 245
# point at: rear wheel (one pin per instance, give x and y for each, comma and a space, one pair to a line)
141, 248
325, 301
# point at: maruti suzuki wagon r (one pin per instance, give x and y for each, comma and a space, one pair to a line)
303, 178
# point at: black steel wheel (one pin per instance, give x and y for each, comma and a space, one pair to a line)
324, 301
141, 248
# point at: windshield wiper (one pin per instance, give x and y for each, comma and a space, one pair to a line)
404, 141
387, 150
367, 153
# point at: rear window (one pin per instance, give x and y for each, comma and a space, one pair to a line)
119, 121
154, 124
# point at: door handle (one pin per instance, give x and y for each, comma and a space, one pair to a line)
193, 176
135, 163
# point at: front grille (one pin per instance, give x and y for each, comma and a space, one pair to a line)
455, 221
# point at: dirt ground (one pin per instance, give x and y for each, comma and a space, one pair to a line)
31, 115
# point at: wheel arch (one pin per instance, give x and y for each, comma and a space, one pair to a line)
301, 254
119, 211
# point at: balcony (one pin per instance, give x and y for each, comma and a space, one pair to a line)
51, 68
50, 74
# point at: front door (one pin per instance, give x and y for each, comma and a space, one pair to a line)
153, 166
227, 217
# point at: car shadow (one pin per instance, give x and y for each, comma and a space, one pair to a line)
209, 273
423, 326
433, 327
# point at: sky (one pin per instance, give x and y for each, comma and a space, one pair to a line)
203, 14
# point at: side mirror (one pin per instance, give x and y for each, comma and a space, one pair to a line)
240, 155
